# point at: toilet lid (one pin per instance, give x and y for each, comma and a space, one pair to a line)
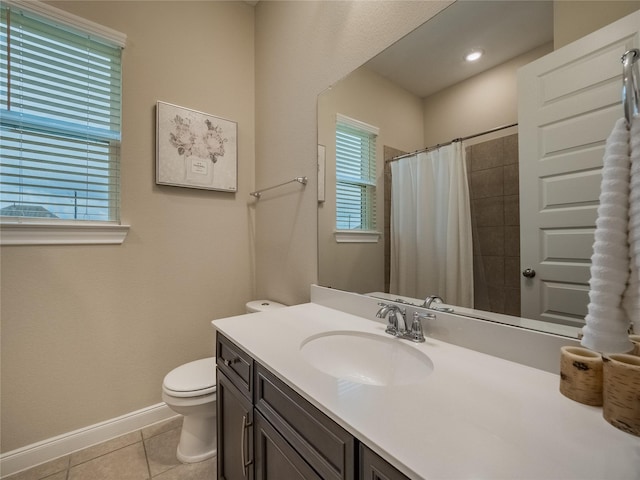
193, 377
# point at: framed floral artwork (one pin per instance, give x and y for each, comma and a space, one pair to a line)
195, 149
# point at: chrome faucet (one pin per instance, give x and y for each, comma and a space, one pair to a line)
435, 299
392, 311
401, 331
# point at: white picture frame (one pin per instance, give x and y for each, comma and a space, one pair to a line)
195, 149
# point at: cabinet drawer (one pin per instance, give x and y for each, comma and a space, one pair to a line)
235, 363
327, 447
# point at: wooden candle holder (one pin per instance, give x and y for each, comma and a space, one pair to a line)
621, 392
581, 375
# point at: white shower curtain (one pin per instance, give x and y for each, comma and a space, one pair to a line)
431, 249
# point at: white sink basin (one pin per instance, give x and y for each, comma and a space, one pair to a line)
366, 358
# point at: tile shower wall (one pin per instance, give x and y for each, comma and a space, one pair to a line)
492, 169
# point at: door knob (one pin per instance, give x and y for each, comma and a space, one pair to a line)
529, 273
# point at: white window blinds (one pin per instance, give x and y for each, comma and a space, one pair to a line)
355, 175
59, 120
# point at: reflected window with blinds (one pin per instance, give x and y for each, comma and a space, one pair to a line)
60, 112
355, 175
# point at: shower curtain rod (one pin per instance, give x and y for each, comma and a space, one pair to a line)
461, 139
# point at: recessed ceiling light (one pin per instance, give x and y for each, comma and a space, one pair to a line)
473, 55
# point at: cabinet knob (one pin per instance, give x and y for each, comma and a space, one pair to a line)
228, 362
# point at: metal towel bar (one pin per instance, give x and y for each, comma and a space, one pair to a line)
630, 78
258, 193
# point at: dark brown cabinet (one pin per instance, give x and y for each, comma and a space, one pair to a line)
235, 415
325, 446
235, 432
266, 431
276, 459
374, 467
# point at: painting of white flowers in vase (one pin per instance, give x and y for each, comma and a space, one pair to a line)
195, 149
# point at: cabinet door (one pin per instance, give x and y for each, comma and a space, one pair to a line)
235, 432
275, 458
374, 467
326, 447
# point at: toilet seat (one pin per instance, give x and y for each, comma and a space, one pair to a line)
192, 379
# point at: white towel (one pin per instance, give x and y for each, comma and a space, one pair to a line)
607, 321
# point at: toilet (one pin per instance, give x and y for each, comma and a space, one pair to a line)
190, 390
262, 306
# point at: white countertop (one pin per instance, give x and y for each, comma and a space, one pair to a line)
475, 416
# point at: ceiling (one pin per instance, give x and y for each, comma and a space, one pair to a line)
432, 57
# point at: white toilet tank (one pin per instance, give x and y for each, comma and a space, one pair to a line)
262, 306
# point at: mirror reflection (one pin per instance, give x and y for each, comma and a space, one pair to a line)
411, 97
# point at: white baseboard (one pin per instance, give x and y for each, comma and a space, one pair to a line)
46, 450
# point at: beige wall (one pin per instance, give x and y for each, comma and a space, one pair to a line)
482, 102
88, 332
369, 98
301, 49
573, 19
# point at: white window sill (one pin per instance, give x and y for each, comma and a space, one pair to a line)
34, 232
356, 236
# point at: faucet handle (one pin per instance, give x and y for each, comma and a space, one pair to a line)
423, 316
417, 334
392, 325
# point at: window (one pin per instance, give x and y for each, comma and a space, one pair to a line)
60, 108
355, 175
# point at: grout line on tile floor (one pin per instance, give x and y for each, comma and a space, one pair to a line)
146, 455
65, 473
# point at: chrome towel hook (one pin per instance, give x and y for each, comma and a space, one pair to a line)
630, 84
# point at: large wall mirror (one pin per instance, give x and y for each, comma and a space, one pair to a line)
421, 92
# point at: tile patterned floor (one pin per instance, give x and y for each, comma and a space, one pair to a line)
149, 453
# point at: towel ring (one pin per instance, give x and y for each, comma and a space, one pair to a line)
630, 76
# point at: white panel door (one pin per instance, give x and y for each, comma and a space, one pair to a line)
568, 102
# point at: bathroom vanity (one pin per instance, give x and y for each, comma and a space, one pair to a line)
281, 435
429, 410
